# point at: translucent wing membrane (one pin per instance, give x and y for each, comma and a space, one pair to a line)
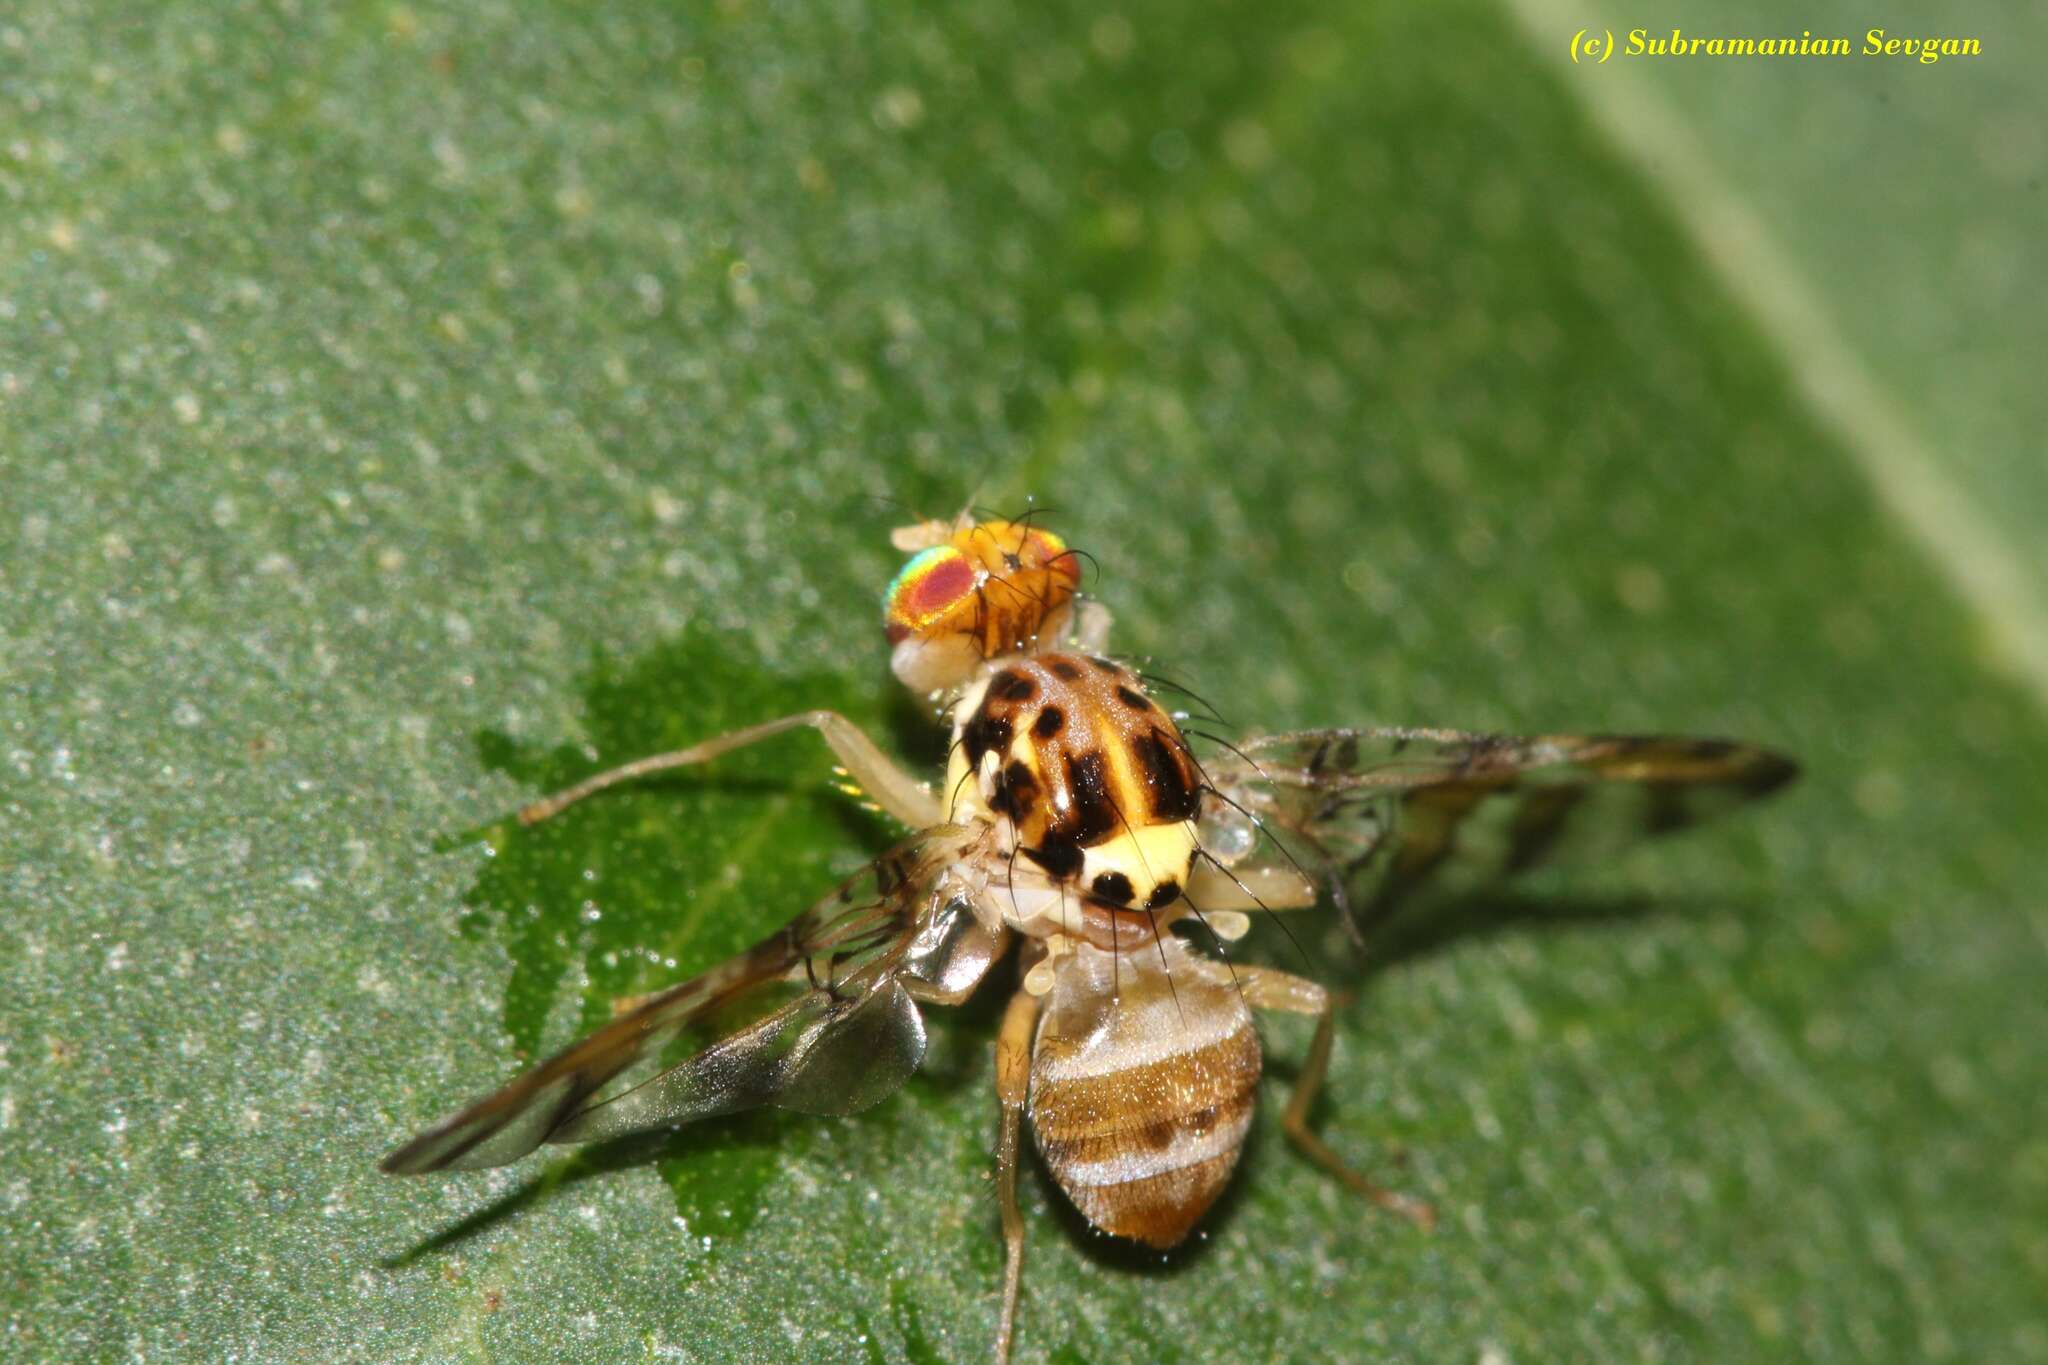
1383, 811
850, 1038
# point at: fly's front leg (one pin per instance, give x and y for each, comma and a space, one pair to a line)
1266, 989
1013, 1086
894, 790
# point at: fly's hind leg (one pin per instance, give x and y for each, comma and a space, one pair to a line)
894, 790
1013, 1085
1270, 990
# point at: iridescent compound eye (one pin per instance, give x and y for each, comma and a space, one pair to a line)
931, 587
932, 614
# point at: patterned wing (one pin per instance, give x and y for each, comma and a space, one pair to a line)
850, 1037
1383, 811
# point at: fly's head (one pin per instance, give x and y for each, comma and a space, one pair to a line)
974, 591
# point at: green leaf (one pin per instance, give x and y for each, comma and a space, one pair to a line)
406, 409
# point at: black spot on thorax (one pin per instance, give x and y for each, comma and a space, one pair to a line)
1168, 776
984, 733
1061, 858
1016, 791
1011, 685
1113, 887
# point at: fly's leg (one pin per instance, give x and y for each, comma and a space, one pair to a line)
1266, 989
1214, 887
1221, 895
894, 790
626, 1004
1013, 1084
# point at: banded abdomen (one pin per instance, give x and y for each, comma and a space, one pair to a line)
1141, 1094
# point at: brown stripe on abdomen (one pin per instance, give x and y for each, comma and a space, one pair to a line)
1144, 1150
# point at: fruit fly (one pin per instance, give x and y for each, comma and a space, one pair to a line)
1076, 823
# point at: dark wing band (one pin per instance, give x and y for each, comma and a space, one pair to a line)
1383, 810
852, 1037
